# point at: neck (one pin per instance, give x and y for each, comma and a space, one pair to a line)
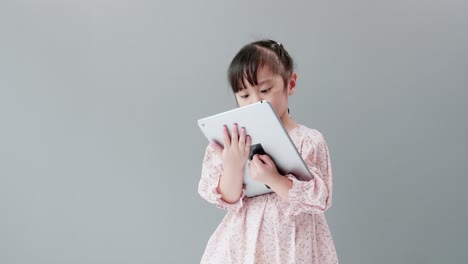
288, 123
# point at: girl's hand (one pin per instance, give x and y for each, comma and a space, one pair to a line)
263, 169
236, 148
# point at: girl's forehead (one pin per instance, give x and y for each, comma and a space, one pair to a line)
264, 71
264, 74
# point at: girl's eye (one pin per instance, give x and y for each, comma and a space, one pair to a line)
266, 90
244, 96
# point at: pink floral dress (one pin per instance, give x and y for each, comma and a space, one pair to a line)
266, 228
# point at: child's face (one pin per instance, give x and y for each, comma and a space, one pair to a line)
271, 88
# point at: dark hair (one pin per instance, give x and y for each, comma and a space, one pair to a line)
251, 57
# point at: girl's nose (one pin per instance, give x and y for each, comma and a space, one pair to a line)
256, 98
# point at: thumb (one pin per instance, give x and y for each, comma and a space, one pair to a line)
217, 148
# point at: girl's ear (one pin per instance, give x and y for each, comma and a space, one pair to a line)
292, 83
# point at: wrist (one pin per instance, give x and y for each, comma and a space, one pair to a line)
274, 179
234, 169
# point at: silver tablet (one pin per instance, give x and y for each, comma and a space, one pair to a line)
268, 136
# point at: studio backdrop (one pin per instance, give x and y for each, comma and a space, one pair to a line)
100, 153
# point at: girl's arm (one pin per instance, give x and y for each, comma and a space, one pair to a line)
211, 175
303, 196
314, 195
230, 184
281, 186
234, 155
223, 169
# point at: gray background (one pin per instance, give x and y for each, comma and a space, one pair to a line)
100, 154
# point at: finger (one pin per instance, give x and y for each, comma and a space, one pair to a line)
248, 143
256, 159
260, 162
265, 159
227, 139
235, 135
251, 164
242, 138
217, 148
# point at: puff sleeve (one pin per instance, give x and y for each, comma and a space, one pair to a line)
315, 195
212, 169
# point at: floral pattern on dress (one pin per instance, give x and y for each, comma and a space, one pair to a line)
266, 228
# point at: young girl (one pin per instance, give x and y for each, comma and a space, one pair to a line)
287, 225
